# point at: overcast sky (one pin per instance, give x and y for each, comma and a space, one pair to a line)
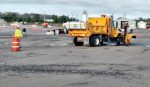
133, 8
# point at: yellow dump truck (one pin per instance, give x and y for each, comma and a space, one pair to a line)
99, 30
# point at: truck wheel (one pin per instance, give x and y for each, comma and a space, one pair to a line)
76, 43
101, 40
118, 41
95, 41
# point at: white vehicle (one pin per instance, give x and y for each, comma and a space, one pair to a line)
74, 25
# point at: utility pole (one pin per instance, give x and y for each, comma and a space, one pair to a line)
125, 14
44, 16
77, 17
72, 17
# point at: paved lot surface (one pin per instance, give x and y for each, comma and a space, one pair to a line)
48, 61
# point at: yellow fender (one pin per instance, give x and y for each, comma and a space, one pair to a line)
115, 32
128, 38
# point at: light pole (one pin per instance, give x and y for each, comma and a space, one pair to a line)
44, 16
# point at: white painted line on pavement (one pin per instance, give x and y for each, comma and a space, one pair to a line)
52, 44
4, 36
6, 43
58, 44
64, 44
148, 46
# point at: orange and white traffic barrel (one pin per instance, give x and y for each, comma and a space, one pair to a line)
15, 44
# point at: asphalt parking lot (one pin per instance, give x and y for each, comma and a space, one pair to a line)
49, 61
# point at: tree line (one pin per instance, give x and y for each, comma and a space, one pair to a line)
34, 18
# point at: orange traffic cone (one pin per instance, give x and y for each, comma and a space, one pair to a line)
15, 44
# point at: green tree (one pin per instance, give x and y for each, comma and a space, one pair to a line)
32, 18
55, 18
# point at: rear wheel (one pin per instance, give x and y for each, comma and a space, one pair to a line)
95, 41
76, 43
102, 40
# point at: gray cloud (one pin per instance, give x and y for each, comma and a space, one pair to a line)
134, 7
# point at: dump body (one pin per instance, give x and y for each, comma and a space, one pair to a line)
101, 25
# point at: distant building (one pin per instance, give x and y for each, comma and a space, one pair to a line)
16, 24
141, 25
49, 20
121, 21
2, 22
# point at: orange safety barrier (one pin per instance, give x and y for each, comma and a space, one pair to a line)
15, 44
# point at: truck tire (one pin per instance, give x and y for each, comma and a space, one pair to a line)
94, 41
76, 43
118, 41
101, 40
